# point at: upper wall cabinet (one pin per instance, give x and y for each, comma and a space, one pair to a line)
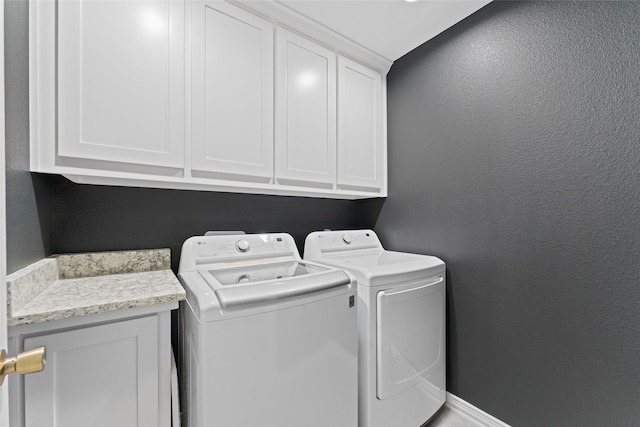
211, 95
110, 84
231, 92
360, 127
305, 111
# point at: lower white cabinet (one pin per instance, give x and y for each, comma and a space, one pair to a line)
113, 372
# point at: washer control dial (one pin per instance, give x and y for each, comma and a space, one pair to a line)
243, 278
243, 246
347, 239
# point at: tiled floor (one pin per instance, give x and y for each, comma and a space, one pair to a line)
448, 418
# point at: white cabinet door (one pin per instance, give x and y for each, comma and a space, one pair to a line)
231, 92
120, 81
360, 127
305, 111
103, 375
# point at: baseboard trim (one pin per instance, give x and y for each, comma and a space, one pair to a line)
467, 410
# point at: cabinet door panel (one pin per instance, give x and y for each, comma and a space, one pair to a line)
232, 91
120, 81
96, 376
360, 156
305, 110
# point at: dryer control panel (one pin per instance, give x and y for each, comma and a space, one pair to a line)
340, 240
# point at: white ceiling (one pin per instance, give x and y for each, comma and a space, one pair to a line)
390, 28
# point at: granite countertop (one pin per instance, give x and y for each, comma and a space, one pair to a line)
80, 284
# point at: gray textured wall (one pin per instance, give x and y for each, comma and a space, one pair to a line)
29, 197
514, 154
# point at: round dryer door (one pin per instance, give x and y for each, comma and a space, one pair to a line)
410, 338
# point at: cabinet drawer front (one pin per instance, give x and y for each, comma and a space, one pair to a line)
120, 81
360, 148
305, 110
232, 91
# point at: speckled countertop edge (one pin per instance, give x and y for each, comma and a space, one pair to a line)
26, 284
116, 281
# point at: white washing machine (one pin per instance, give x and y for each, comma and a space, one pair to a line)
267, 339
401, 320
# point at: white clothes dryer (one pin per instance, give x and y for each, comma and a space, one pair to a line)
401, 322
267, 339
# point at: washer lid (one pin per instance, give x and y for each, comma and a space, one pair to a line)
268, 282
262, 272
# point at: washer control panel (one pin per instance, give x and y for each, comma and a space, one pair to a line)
201, 250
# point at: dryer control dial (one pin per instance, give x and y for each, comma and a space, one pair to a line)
347, 239
243, 246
